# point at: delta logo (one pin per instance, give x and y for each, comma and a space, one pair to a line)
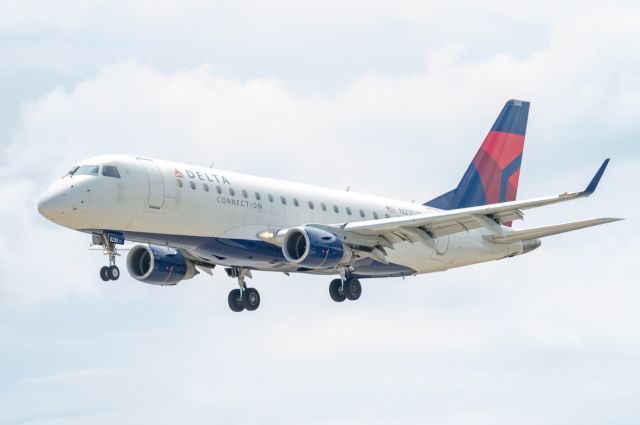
204, 176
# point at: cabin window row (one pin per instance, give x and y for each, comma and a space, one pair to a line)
283, 200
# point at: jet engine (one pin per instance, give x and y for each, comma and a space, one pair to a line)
159, 265
314, 248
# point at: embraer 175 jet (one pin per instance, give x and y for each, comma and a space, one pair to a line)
189, 219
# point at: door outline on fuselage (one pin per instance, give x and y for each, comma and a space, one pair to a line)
155, 181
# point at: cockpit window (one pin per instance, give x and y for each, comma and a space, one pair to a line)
110, 171
84, 170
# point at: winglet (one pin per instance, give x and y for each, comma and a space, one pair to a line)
596, 179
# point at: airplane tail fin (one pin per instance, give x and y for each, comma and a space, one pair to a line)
492, 176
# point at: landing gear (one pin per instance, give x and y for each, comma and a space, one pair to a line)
341, 289
109, 273
335, 290
251, 299
110, 248
104, 273
114, 272
243, 298
352, 289
235, 300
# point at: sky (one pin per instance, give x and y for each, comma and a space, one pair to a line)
387, 97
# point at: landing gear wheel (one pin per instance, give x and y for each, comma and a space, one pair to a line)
251, 299
335, 290
104, 273
113, 272
235, 301
352, 289
109, 245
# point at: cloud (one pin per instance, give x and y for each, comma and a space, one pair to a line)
551, 337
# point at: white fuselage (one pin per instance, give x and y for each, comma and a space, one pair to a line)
216, 216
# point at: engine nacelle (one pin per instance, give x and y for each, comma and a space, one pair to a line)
314, 248
159, 265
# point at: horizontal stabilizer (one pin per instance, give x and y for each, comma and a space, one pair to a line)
540, 232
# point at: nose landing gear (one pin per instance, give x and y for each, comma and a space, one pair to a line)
109, 273
105, 274
243, 298
109, 245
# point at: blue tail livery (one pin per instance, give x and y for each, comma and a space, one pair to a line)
493, 175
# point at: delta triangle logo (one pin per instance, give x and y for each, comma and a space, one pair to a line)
178, 173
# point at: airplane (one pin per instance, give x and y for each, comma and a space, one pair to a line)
187, 219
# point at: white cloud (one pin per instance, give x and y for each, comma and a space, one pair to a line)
551, 337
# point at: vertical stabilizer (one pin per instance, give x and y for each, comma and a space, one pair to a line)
492, 176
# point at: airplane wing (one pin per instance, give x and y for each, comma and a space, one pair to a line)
384, 233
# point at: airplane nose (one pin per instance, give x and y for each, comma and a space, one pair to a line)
51, 204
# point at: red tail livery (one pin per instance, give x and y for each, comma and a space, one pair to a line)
492, 176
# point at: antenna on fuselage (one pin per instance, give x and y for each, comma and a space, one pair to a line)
211, 165
348, 187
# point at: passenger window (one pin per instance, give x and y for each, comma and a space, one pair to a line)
270, 196
219, 190
348, 211
386, 215
206, 187
193, 185
335, 209
361, 213
179, 182
110, 171
87, 170
283, 200
323, 206
310, 205
295, 202
244, 194
232, 192
375, 215
257, 196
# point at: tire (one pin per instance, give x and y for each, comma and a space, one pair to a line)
251, 299
113, 273
235, 302
104, 273
335, 290
352, 289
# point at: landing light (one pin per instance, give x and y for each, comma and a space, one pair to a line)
266, 235
270, 236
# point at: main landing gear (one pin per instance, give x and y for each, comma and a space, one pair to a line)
242, 298
110, 248
345, 288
